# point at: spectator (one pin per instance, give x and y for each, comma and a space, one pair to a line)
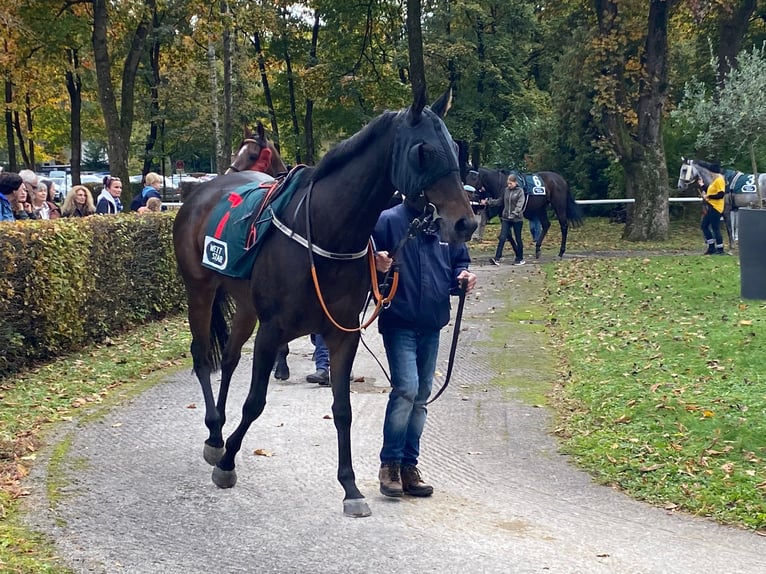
410, 328
321, 361
154, 204
31, 181
511, 219
109, 198
22, 209
78, 202
152, 185
9, 185
43, 208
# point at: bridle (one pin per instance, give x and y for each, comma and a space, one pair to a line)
245, 142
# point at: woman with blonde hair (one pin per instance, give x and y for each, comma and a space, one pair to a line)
152, 184
78, 202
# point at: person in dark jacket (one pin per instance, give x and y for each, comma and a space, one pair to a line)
430, 270
9, 187
152, 186
108, 201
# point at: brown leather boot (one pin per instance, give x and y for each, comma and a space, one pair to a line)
390, 483
412, 482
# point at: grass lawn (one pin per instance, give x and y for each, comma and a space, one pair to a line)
660, 393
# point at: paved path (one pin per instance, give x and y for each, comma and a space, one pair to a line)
137, 496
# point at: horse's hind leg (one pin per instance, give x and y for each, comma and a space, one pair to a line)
546, 225
242, 326
281, 370
203, 316
564, 232
728, 225
266, 343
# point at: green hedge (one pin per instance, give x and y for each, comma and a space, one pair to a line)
68, 283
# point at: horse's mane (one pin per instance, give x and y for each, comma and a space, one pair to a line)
349, 148
715, 167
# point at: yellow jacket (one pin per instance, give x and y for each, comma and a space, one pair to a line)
715, 193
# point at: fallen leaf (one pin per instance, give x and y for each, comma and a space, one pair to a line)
191, 406
262, 452
745, 322
649, 468
327, 417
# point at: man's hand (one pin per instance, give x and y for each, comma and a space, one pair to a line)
383, 261
465, 274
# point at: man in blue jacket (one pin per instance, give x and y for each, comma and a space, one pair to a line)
429, 272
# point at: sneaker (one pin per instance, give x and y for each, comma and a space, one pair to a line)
390, 481
494, 261
522, 262
321, 378
412, 482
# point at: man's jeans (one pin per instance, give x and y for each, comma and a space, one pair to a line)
412, 361
321, 353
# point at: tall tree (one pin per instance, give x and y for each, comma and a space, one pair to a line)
631, 63
119, 123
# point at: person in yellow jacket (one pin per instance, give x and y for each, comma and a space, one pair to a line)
712, 210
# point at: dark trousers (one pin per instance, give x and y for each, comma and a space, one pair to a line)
506, 225
711, 228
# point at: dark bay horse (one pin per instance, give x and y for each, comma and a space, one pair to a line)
328, 223
556, 194
741, 189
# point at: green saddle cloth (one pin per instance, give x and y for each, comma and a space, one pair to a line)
531, 183
240, 222
738, 182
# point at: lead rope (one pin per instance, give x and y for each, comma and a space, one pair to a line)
455, 335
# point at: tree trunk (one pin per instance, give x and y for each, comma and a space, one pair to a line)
9, 124
267, 90
219, 165
291, 89
308, 122
478, 124
228, 99
151, 159
74, 87
20, 138
415, 44
119, 125
732, 26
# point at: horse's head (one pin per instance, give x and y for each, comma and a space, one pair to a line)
687, 174
473, 179
425, 169
257, 153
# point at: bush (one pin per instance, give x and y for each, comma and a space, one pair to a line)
70, 282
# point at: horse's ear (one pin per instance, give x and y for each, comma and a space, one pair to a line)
263, 161
441, 106
248, 133
417, 108
261, 131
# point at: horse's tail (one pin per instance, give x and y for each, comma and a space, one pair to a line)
222, 311
574, 211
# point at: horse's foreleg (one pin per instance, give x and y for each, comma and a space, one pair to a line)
342, 351
224, 474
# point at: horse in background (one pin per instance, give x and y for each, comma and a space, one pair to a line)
542, 189
313, 271
740, 190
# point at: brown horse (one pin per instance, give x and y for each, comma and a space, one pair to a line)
327, 223
554, 191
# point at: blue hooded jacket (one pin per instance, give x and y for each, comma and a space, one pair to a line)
6, 211
428, 270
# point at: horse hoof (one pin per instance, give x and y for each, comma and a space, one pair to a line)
212, 454
282, 372
356, 508
224, 478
